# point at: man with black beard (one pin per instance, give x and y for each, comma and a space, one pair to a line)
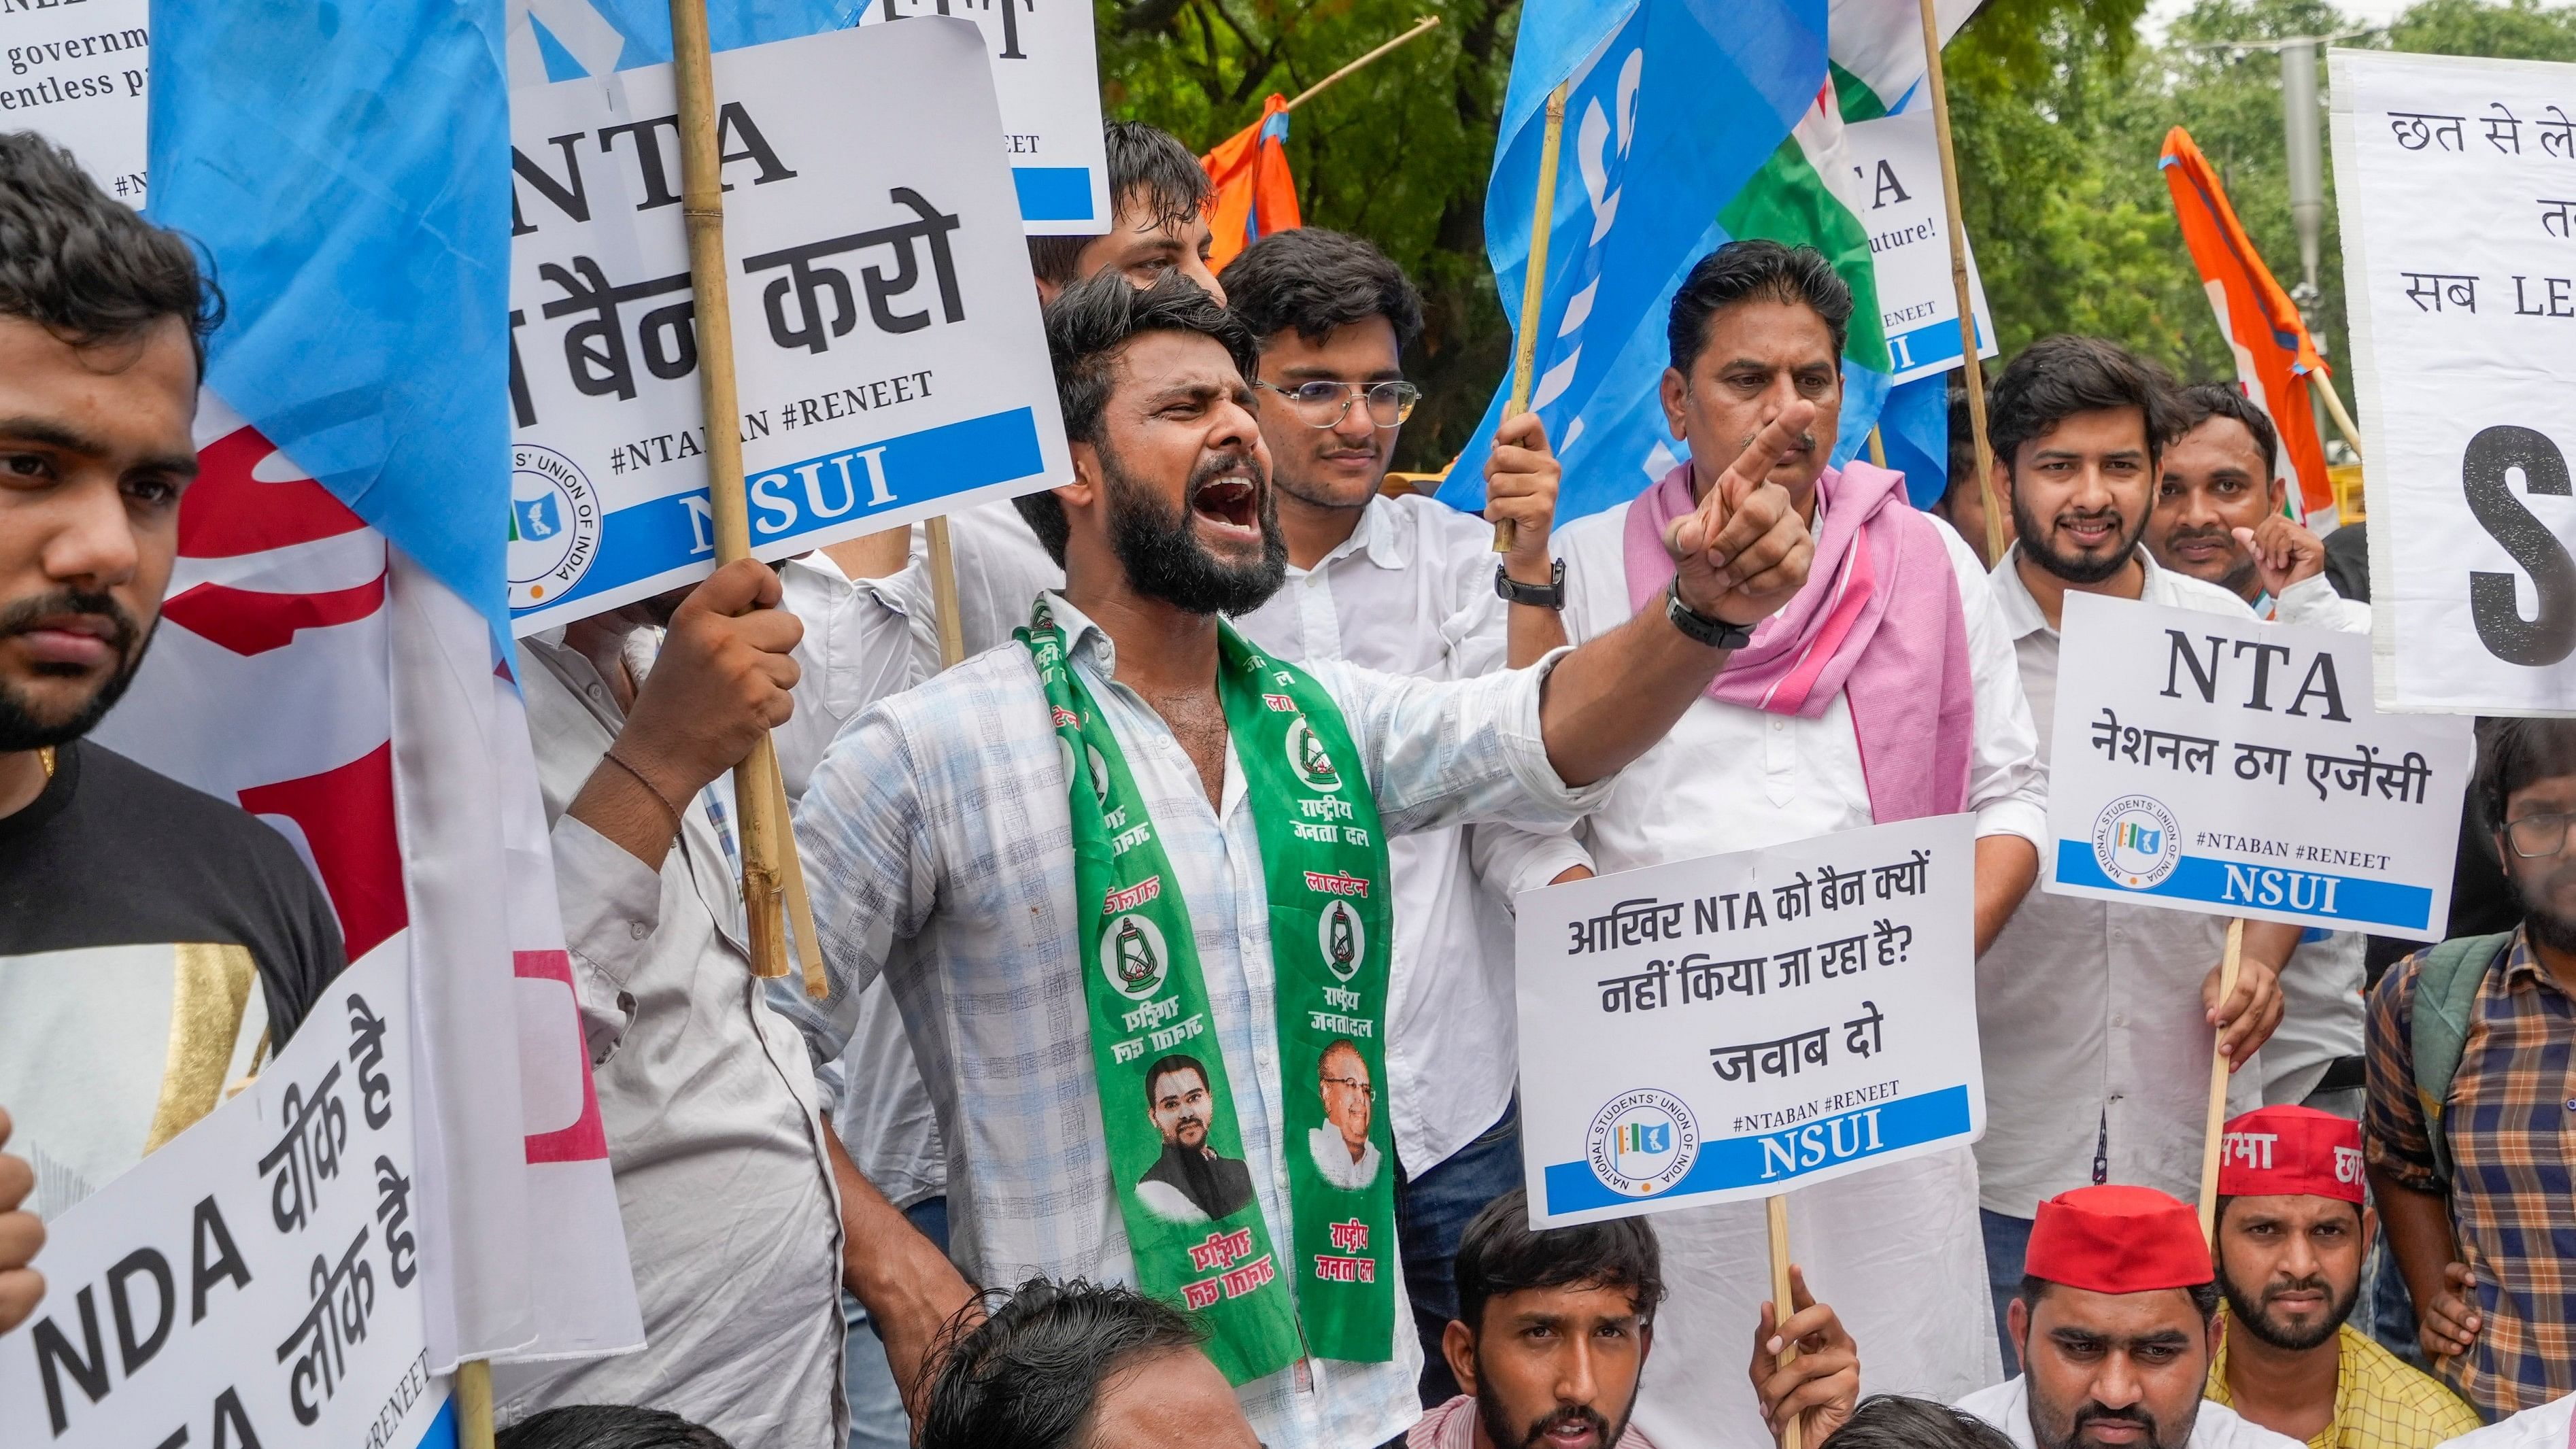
1190, 1182
2470, 1119
1133, 831
2094, 1017
151, 937
2292, 1229
2113, 1324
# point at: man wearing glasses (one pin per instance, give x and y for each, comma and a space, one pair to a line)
2474, 1188
1405, 585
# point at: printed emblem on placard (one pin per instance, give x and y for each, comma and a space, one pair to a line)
1642, 1142
554, 525
2137, 842
1133, 956
1343, 938
1307, 757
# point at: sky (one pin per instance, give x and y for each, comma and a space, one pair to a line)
2161, 13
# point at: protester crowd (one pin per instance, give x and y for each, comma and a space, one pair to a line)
935, 1202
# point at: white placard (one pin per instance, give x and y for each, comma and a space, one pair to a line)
2237, 768
1898, 162
2457, 183
1740, 1025
1046, 67
886, 333
80, 73
256, 1280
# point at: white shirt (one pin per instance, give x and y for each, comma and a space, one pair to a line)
939, 822
2545, 1426
2322, 1010
1001, 569
732, 1218
2089, 1012
1333, 1158
1896, 1250
1411, 591
865, 639
2215, 1426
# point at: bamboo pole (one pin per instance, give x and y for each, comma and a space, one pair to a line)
943, 594
760, 795
1776, 1208
473, 1389
2324, 387
1877, 447
2217, 1123
1534, 285
1968, 360
1420, 28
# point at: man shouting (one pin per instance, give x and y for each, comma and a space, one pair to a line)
986, 839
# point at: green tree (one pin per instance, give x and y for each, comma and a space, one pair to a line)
1397, 153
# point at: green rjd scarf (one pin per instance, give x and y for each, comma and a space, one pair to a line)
1176, 1152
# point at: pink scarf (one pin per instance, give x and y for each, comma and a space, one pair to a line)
1879, 622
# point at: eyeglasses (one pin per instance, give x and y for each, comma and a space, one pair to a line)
2535, 836
1324, 403
1354, 1084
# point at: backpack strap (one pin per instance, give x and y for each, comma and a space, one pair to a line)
2446, 991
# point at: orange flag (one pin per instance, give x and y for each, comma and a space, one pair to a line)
1255, 195
2275, 357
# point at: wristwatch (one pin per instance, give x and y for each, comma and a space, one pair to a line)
1549, 595
1699, 627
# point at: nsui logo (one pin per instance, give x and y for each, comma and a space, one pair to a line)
2136, 841
554, 525
1642, 1142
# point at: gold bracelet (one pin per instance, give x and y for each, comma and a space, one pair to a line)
650, 789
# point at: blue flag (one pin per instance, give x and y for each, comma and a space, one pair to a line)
1684, 98
346, 169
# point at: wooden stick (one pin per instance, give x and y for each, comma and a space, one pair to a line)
1968, 360
473, 1390
759, 795
943, 594
1534, 285
2217, 1125
1877, 447
1421, 27
2334, 409
1777, 1209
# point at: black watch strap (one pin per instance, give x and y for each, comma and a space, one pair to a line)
1700, 628
1550, 595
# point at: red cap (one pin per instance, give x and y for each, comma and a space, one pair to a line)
2117, 1240
2291, 1152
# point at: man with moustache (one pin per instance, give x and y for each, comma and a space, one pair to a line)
2470, 1125
1343, 1153
990, 840
2114, 1327
2218, 518
1885, 691
2292, 1232
152, 938
1190, 1182
2095, 1017
1407, 585
2218, 514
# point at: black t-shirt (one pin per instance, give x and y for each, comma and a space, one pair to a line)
112, 854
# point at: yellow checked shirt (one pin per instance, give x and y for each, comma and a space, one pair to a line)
2380, 1402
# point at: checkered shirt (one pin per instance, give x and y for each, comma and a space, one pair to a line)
938, 844
2511, 1121
2381, 1402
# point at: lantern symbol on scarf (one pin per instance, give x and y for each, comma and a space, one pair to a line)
1342, 940
1306, 754
1135, 958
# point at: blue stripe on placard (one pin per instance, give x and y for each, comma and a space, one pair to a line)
1925, 346
2342, 899
441, 1433
1778, 1159
825, 491
1054, 193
